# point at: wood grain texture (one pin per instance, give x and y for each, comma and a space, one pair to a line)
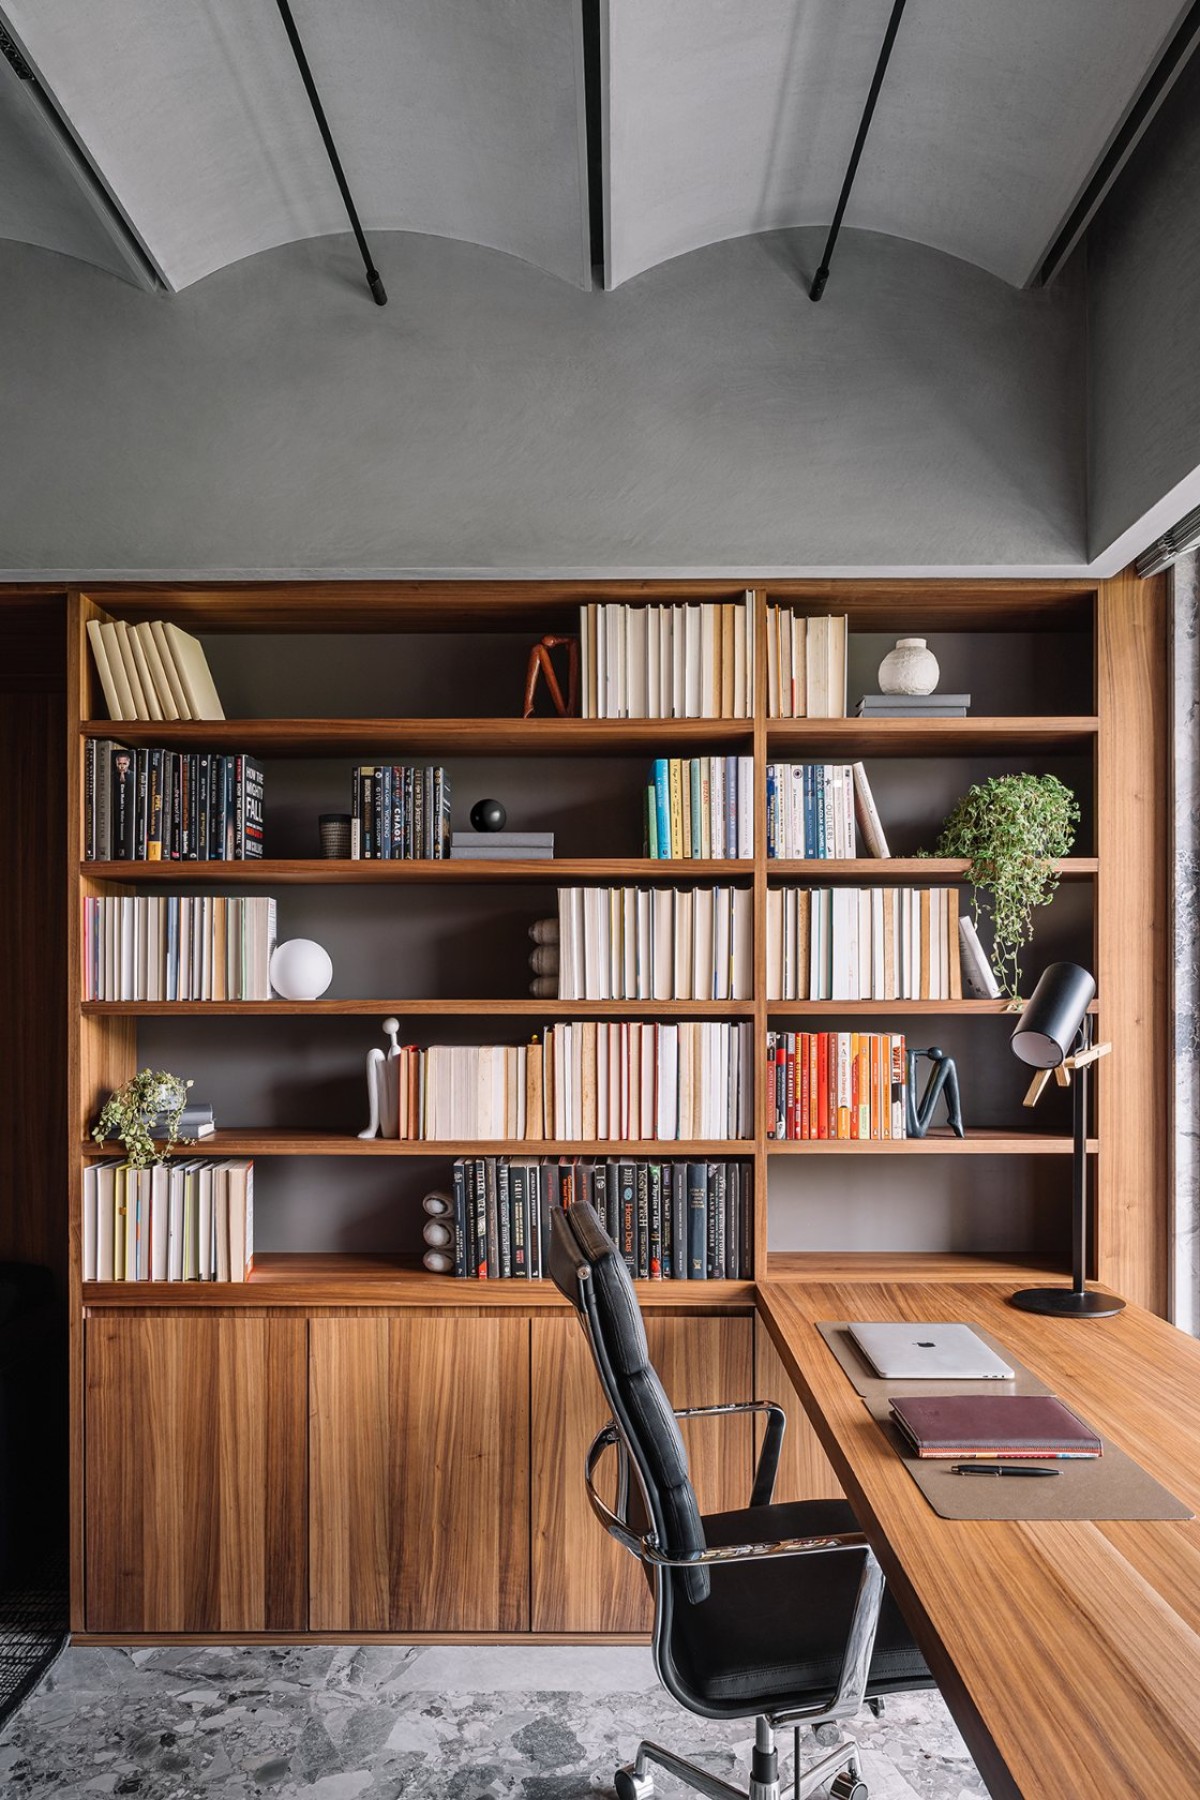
583, 1581
927, 737
407, 872
438, 737
805, 1472
1133, 929
419, 1474
196, 1481
452, 1009
1067, 1652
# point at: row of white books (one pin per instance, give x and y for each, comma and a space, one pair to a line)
655, 944
667, 662
177, 1221
806, 665
153, 670
852, 943
178, 947
620, 1080
813, 808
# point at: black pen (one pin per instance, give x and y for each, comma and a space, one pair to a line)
997, 1469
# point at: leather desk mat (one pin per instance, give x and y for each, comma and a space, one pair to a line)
1111, 1486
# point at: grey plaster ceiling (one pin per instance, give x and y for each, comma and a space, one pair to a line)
465, 118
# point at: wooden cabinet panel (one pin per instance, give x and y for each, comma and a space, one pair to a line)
194, 1474
582, 1580
419, 1446
805, 1472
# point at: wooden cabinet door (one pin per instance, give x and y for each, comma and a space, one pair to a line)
419, 1446
195, 1473
583, 1581
805, 1472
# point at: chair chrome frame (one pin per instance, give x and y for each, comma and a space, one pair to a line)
634, 1782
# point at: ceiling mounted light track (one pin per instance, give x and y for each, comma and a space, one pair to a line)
864, 125
374, 279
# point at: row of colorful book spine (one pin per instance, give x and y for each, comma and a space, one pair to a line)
836, 1084
399, 813
852, 943
156, 805
670, 1220
813, 808
178, 946
655, 943
625, 1080
667, 662
700, 807
177, 1221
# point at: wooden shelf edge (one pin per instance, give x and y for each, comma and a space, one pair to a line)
327, 738
911, 1265
260, 1009
319, 872
937, 870
321, 1143
938, 1143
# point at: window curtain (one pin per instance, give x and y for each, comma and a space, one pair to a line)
1185, 925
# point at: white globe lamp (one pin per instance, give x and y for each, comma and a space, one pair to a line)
300, 969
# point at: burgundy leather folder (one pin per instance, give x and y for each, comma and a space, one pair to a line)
1008, 1425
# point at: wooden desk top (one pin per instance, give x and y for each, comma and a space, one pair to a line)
1069, 1654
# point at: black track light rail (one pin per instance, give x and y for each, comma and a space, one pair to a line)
374, 279
864, 125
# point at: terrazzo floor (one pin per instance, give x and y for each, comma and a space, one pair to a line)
380, 1723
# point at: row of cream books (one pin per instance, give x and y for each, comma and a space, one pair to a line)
153, 670
812, 809
177, 1221
655, 944
700, 806
178, 947
853, 943
667, 662
625, 1081
806, 665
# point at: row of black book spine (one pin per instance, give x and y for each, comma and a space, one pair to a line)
681, 1221
399, 813
155, 805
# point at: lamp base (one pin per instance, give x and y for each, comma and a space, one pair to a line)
1065, 1303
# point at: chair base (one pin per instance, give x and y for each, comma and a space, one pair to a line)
635, 1782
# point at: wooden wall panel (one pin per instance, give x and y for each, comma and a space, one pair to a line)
805, 1472
1133, 930
195, 1473
582, 1580
419, 1473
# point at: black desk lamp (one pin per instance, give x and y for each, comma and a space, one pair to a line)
1055, 1034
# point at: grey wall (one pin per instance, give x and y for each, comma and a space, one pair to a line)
704, 416
1144, 324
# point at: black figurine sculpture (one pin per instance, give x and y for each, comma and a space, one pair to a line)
488, 815
943, 1078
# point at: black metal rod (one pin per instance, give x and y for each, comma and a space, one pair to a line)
1079, 1163
374, 280
864, 125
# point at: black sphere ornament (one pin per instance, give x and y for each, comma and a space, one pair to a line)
488, 815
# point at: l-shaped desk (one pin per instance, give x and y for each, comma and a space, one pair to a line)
1069, 1654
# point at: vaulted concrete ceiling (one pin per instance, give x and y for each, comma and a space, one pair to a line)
465, 118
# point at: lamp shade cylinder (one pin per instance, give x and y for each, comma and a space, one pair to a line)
1052, 1017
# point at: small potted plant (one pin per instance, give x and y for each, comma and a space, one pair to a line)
150, 1103
1011, 829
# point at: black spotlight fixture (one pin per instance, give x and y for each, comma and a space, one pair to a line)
1054, 1036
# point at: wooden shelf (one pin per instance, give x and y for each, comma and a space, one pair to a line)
432, 737
333, 1143
929, 871
889, 1266
940, 1142
319, 872
325, 1279
928, 737
453, 1009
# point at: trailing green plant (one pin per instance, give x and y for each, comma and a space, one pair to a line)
152, 1097
1011, 829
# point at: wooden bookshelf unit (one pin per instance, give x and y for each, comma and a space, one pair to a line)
349, 1447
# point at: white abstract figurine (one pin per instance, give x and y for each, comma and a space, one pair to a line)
382, 1097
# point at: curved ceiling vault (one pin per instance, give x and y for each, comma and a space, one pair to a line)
466, 119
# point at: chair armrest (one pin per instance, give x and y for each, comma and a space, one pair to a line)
768, 1456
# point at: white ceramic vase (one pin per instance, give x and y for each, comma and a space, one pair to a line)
911, 668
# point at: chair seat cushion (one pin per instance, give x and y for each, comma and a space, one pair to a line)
772, 1633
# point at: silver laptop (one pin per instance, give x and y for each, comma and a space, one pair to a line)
917, 1352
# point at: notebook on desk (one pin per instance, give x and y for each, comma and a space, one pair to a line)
1008, 1425
920, 1352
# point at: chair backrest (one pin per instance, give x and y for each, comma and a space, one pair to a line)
588, 1269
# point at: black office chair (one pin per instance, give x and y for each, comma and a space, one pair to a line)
775, 1613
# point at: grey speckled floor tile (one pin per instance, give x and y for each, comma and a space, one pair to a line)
378, 1723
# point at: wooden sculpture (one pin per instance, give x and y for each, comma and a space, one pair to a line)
541, 663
